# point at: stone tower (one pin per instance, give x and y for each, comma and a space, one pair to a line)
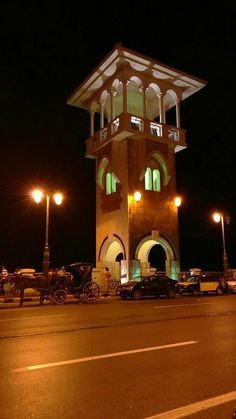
135, 131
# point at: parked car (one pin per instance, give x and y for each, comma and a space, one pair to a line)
150, 286
231, 285
203, 284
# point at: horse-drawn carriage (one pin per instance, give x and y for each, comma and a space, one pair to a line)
75, 279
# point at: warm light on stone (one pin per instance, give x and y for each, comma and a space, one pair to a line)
178, 201
137, 196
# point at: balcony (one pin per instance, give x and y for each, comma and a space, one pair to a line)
127, 125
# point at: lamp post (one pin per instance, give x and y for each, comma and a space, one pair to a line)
219, 217
38, 196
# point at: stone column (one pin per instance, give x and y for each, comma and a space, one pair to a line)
113, 95
125, 84
102, 104
92, 123
109, 117
142, 90
162, 116
112, 110
178, 113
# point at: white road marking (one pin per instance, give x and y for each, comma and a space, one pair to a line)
96, 357
197, 407
33, 317
183, 305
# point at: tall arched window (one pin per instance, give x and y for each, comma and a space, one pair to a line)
113, 183
148, 179
156, 181
110, 183
152, 180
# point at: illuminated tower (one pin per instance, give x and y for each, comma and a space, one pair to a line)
135, 131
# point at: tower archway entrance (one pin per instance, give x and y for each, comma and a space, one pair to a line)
157, 257
111, 253
150, 248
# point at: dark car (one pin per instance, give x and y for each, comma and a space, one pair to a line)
150, 286
203, 284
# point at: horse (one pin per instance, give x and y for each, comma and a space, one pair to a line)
21, 282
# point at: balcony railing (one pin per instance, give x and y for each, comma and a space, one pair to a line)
173, 134
115, 125
155, 129
126, 125
136, 123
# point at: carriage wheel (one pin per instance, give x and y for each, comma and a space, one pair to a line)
91, 292
60, 296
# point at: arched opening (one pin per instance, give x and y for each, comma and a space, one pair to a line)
118, 99
152, 180
111, 253
170, 107
96, 118
152, 102
166, 256
101, 172
156, 172
157, 257
134, 97
119, 257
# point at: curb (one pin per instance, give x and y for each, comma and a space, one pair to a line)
5, 300
16, 299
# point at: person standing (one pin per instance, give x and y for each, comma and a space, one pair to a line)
107, 277
4, 278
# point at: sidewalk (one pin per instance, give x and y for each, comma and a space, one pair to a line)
29, 295
34, 295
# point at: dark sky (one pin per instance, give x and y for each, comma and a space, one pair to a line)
46, 52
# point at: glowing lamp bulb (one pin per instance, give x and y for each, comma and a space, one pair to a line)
137, 196
216, 217
37, 195
58, 198
178, 201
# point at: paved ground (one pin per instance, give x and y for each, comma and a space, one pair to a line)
33, 295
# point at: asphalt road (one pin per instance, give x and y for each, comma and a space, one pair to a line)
116, 359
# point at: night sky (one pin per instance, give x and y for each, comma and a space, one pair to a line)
46, 52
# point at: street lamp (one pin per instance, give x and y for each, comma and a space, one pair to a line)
58, 198
137, 196
219, 217
178, 201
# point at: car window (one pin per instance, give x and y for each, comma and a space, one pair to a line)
192, 279
150, 280
210, 279
146, 281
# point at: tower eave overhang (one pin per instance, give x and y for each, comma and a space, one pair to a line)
140, 63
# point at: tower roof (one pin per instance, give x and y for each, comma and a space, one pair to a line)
140, 63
